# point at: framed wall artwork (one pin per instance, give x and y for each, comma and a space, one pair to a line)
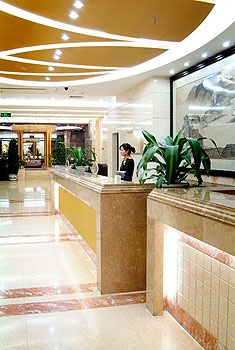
203, 105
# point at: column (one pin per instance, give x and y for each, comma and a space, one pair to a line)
20, 144
47, 148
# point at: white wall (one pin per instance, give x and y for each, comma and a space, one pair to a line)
145, 106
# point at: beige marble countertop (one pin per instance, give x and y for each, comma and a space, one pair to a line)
216, 194
98, 183
206, 198
214, 201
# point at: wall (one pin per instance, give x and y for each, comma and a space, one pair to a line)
145, 106
201, 294
191, 262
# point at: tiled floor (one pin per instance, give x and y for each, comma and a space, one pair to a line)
48, 294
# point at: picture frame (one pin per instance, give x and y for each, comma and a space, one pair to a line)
203, 105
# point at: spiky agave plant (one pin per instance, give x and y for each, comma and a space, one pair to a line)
171, 161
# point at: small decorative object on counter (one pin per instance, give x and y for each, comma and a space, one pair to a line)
94, 168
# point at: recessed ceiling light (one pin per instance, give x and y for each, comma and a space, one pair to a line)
226, 43
171, 71
58, 52
78, 4
51, 69
64, 36
73, 14
56, 57
186, 64
47, 78
68, 127
5, 127
204, 55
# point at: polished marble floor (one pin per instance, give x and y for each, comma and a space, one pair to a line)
48, 294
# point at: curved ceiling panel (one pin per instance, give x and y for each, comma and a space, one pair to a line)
107, 35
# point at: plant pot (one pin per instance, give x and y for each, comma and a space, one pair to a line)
179, 185
12, 177
80, 168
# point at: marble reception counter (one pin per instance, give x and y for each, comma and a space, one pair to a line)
191, 260
112, 219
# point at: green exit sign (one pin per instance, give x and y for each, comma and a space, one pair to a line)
5, 115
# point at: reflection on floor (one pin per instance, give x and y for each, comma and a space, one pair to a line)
48, 294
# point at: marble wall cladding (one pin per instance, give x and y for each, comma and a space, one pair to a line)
136, 92
198, 270
145, 106
205, 293
123, 236
121, 214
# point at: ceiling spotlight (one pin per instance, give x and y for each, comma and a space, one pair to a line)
64, 36
56, 57
47, 78
226, 43
51, 69
204, 55
78, 4
186, 64
5, 127
58, 52
68, 127
73, 14
171, 71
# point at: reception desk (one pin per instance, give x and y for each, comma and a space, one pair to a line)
191, 260
111, 218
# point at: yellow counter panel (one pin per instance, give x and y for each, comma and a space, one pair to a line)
80, 215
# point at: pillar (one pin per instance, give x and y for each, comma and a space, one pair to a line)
20, 144
47, 148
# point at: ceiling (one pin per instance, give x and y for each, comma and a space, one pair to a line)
109, 48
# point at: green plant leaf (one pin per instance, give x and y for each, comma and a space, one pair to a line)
196, 151
146, 158
177, 138
172, 160
171, 163
214, 143
168, 141
150, 138
206, 162
76, 154
159, 181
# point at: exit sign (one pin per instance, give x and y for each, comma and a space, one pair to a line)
5, 115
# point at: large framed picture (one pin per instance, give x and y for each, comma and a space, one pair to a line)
203, 105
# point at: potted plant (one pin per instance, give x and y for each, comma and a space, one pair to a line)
81, 156
4, 175
171, 161
22, 163
13, 160
60, 152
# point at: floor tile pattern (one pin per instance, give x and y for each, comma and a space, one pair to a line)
48, 293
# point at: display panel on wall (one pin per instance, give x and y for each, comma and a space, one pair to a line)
203, 105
